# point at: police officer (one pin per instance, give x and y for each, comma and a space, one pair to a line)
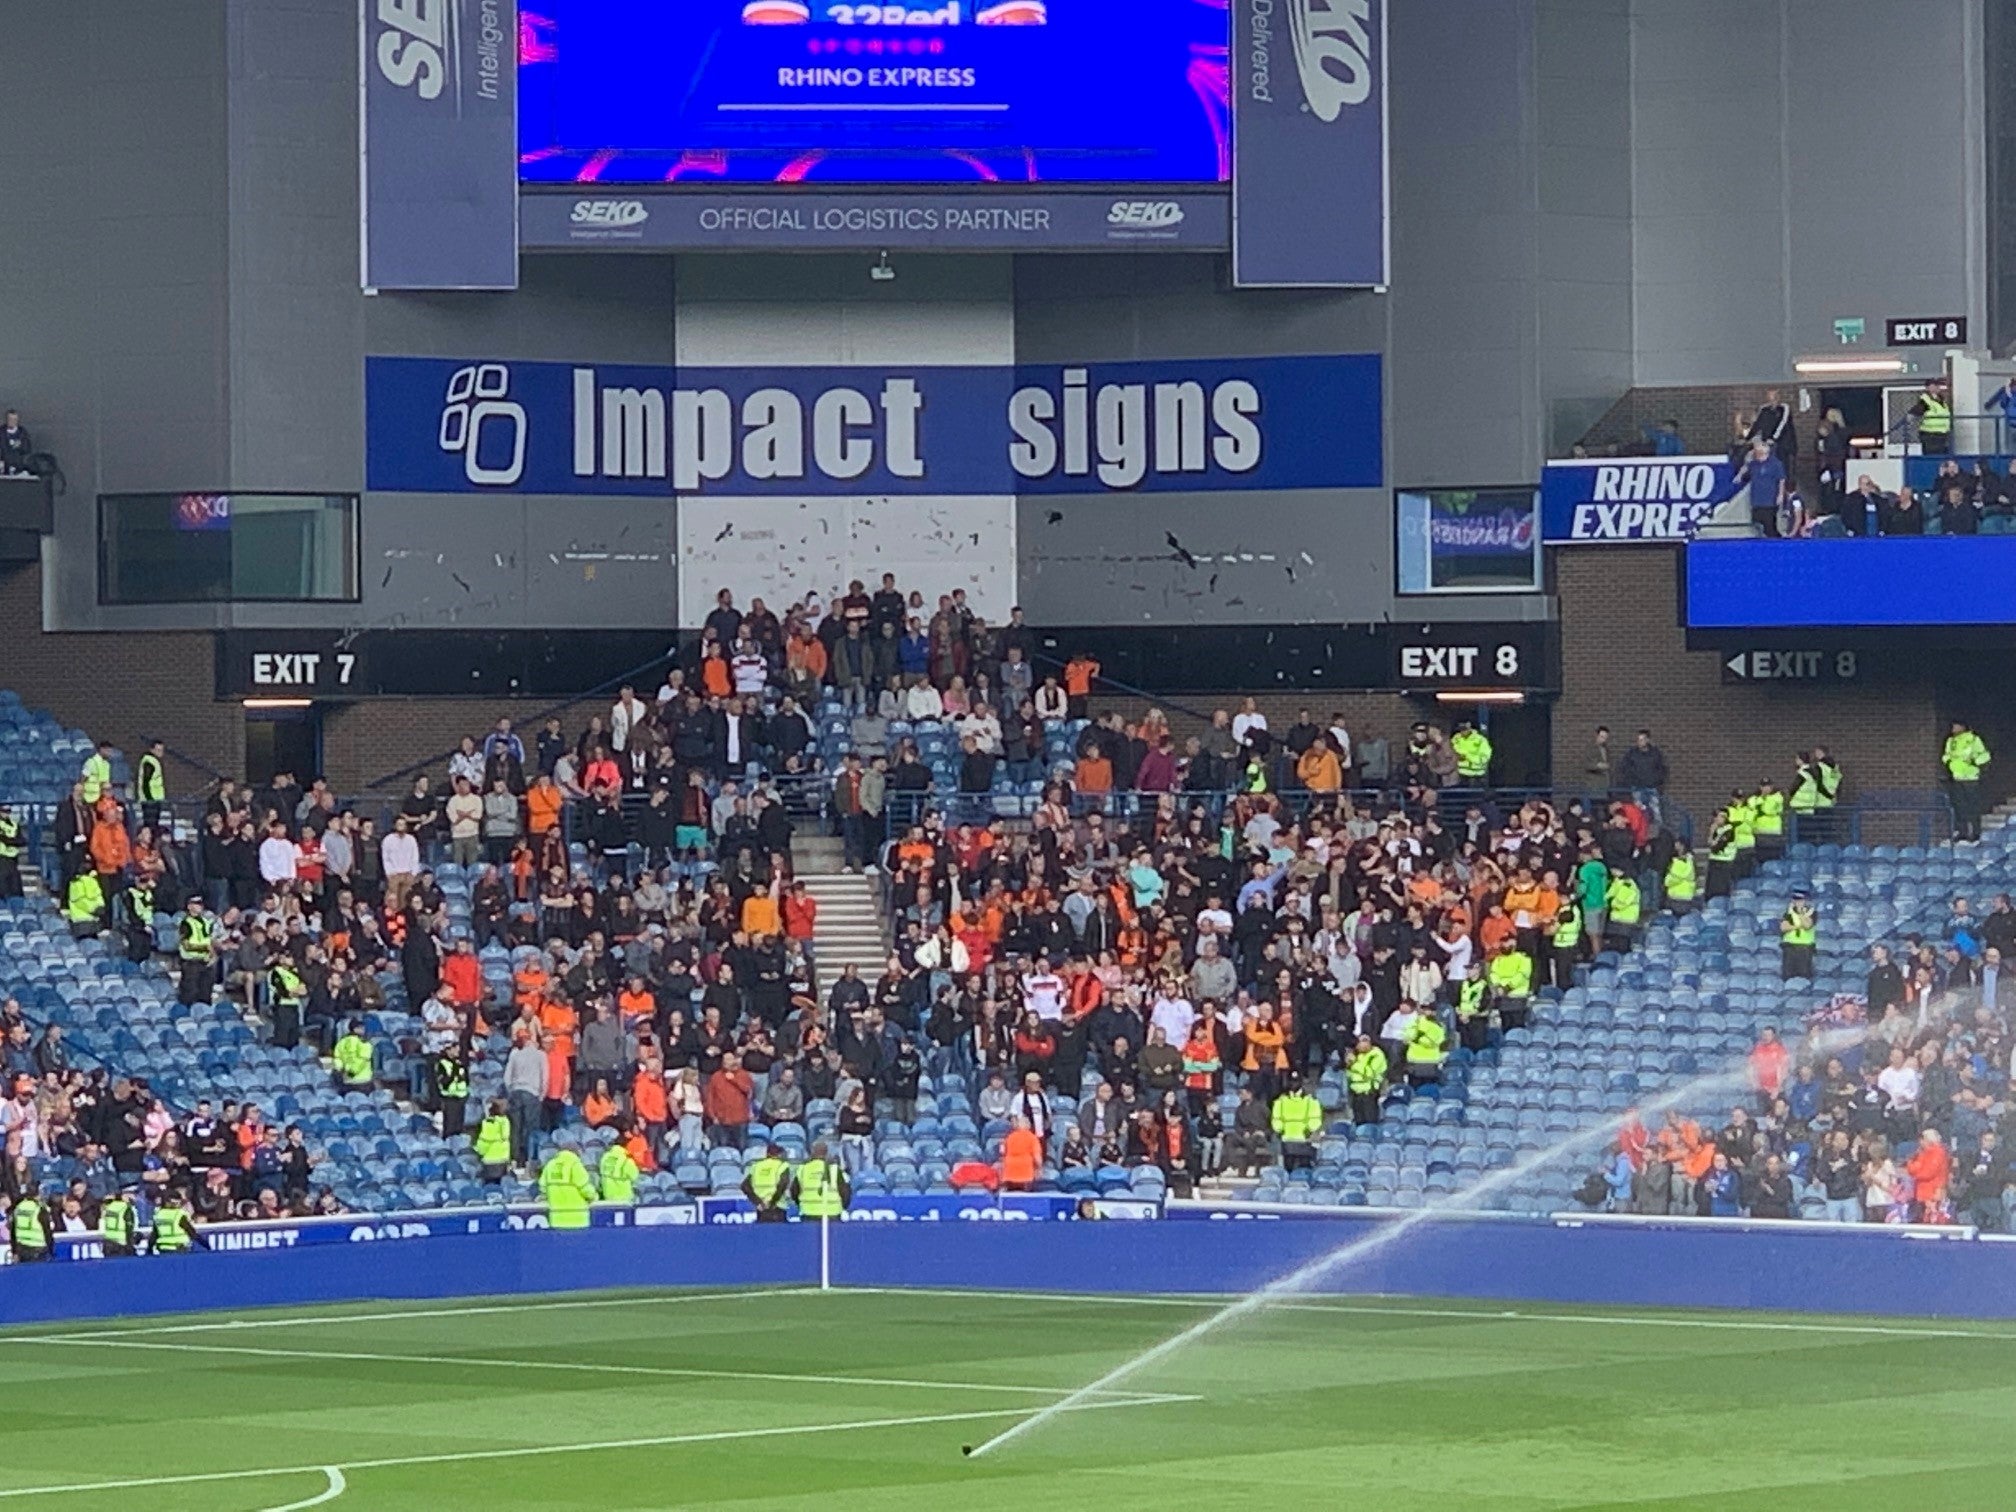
150, 785
119, 1225
1816, 786
138, 904
1473, 1011
618, 1171
1565, 942
1964, 757
1796, 939
1743, 819
1721, 855
451, 1091
821, 1185
286, 995
10, 853
30, 1230
1767, 810
196, 948
174, 1234
767, 1183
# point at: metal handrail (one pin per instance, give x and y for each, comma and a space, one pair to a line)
1928, 816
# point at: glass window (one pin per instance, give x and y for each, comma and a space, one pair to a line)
226, 548
1468, 540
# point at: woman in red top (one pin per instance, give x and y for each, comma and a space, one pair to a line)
1034, 1046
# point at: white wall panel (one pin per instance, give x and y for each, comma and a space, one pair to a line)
781, 549
826, 312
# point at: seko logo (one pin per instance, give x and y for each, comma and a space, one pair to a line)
413, 44
1145, 215
1333, 53
609, 215
479, 396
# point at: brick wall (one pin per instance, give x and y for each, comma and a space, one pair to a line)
1625, 663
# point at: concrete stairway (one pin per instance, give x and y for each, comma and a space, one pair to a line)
852, 926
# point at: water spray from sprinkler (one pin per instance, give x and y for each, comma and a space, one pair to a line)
1592, 1138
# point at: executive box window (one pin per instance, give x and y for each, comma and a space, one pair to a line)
224, 548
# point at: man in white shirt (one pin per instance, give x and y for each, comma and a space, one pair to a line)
1173, 1014
441, 1025
623, 717
1248, 719
1033, 1104
984, 729
399, 853
747, 667
1043, 991
1900, 1083
1341, 739
923, 702
1214, 920
465, 824
276, 860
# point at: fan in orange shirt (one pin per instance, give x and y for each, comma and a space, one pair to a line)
760, 914
1021, 1158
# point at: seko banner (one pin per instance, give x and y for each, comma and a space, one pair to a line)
439, 140
1309, 170
815, 219
1587, 502
549, 428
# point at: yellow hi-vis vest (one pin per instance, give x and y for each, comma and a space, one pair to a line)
818, 1190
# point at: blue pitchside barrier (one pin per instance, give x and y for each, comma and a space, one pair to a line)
1792, 1267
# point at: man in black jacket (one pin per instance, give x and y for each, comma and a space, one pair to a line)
1643, 772
1770, 1192
16, 446
1885, 983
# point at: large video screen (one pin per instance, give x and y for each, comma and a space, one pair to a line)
1890, 581
836, 92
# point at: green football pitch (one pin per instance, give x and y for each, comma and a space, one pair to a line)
801, 1399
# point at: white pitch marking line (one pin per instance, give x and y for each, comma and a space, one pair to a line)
604, 1446
1476, 1315
474, 1311
593, 1367
336, 1487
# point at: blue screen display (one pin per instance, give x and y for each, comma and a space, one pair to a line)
1905, 580
834, 92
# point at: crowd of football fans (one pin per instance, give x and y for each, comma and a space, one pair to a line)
1896, 1111
1153, 960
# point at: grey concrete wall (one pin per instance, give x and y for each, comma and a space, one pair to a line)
1792, 159
114, 322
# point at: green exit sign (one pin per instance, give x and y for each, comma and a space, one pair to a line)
1850, 330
